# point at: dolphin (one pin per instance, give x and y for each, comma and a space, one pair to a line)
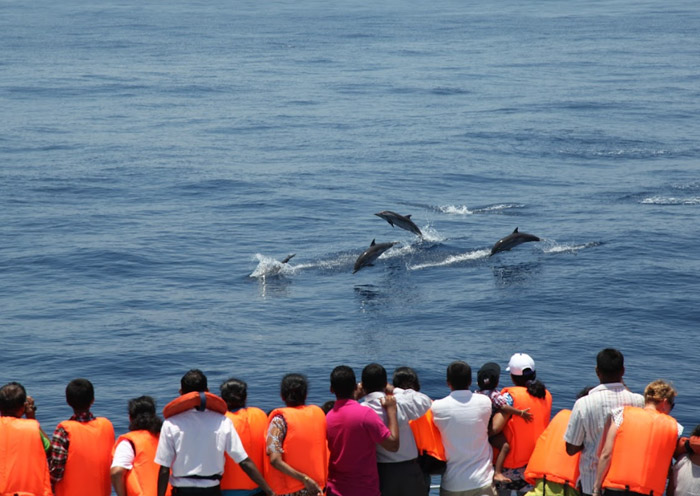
289, 257
371, 254
512, 240
403, 221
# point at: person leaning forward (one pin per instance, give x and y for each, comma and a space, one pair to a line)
193, 443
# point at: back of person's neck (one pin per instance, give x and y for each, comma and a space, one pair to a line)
611, 380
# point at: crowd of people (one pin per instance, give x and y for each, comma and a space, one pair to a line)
376, 439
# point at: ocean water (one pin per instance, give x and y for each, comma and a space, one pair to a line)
159, 159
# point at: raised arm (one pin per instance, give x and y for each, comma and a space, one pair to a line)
391, 443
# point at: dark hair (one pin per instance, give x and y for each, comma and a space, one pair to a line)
193, 380
142, 415
696, 431
406, 378
13, 396
234, 392
343, 382
529, 380
373, 378
328, 406
584, 392
610, 363
80, 394
293, 389
459, 375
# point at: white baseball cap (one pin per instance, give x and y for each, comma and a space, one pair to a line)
519, 363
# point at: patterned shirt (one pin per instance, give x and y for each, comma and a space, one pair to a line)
498, 399
59, 448
275, 439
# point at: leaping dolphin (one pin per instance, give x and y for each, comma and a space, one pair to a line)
371, 254
403, 221
512, 240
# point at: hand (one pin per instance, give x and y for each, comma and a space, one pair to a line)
526, 415
388, 402
359, 391
30, 408
311, 486
389, 389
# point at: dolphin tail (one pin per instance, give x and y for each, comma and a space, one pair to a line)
288, 258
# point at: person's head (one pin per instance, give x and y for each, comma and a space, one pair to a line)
406, 378
459, 375
327, 406
488, 375
193, 380
80, 395
373, 378
343, 382
142, 415
610, 365
661, 394
696, 431
293, 389
13, 397
584, 392
234, 392
522, 372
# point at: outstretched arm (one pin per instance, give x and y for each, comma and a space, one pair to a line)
391, 443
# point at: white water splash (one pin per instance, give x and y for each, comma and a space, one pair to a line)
455, 210
670, 200
453, 259
268, 266
571, 248
501, 206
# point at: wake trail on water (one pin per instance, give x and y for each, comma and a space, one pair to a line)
465, 210
554, 247
453, 259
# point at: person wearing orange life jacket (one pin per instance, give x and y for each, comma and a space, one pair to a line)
297, 452
194, 439
251, 425
134, 473
23, 468
81, 448
638, 445
527, 393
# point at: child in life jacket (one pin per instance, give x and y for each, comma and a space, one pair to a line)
487, 379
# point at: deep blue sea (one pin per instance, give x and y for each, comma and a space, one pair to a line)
158, 159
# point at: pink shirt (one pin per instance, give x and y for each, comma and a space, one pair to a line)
353, 432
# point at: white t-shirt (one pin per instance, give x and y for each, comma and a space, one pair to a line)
686, 477
194, 443
124, 455
463, 421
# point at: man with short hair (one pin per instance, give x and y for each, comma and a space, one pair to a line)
353, 431
399, 472
590, 414
194, 443
81, 448
23, 467
462, 418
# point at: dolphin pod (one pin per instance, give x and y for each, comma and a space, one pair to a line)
512, 240
371, 254
403, 221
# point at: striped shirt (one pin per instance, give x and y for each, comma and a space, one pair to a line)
587, 423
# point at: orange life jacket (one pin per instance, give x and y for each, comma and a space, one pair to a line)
23, 467
427, 436
89, 458
522, 435
199, 400
251, 426
142, 479
305, 448
549, 460
642, 451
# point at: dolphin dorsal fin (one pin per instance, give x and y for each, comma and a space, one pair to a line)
372, 243
408, 216
516, 230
